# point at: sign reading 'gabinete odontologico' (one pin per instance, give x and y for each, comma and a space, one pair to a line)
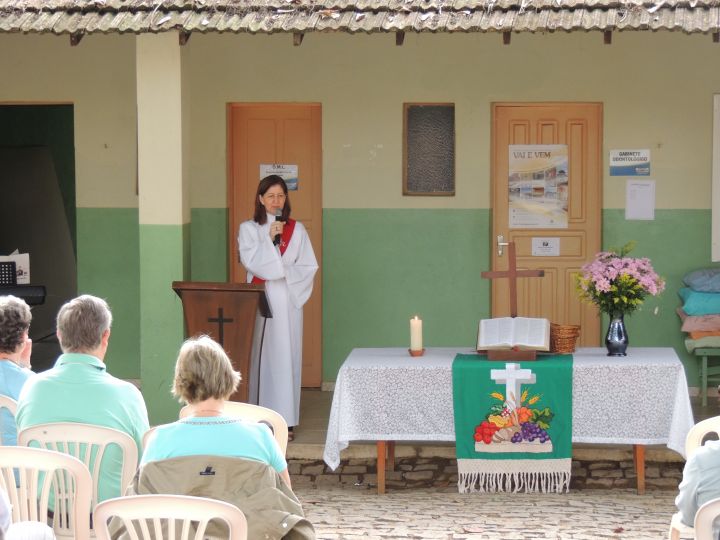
629, 162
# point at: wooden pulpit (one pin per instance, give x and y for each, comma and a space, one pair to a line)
226, 312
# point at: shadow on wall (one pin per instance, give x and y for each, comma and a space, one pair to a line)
35, 222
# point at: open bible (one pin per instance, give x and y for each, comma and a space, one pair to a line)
514, 332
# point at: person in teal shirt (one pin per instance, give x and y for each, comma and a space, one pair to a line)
15, 351
205, 379
79, 388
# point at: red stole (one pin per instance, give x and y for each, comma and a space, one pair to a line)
288, 230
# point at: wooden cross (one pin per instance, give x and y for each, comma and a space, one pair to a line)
512, 273
221, 320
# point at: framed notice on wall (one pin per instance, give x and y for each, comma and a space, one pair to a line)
538, 186
289, 173
429, 149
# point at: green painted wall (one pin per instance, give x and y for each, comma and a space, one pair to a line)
677, 242
109, 267
164, 258
381, 267
108, 251
209, 247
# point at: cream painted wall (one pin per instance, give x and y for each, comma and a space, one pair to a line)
98, 78
656, 88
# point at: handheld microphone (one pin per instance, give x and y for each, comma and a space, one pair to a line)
278, 217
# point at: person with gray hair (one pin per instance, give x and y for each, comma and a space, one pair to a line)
79, 388
15, 351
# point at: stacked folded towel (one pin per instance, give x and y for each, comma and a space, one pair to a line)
700, 312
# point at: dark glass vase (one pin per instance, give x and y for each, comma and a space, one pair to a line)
616, 339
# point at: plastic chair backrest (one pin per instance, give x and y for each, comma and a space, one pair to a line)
698, 432
153, 517
6, 402
704, 519
146, 436
74, 438
255, 413
42, 472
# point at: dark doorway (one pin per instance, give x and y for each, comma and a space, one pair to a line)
37, 182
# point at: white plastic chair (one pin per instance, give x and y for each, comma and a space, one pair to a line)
704, 519
74, 439
153, 517
146, 437
254, 413
6, 402
42, 472
698, 432
693, 441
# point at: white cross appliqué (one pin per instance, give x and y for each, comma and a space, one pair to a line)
513, 377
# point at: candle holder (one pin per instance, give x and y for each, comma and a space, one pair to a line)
416, 353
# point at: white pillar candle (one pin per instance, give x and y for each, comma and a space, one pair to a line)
416, 334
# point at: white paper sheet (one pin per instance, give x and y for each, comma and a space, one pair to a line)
640, 199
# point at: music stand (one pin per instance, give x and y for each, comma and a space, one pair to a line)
8, 273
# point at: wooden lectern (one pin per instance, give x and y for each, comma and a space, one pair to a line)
227, 313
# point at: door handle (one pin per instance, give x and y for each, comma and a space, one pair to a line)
501, 244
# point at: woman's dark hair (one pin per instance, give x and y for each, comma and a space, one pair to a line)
14, 322
265, 184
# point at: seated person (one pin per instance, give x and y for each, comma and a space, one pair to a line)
79, 388
700, 483
210, 443
15, 350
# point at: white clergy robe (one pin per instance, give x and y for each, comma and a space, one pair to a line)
288, 285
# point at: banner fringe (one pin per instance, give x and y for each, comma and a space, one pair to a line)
514, 482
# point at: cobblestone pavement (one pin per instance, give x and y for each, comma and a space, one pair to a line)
358, 513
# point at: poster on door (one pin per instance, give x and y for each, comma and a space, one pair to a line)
289, 173
538, 186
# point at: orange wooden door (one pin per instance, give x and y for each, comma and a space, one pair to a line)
579, 126
290, 134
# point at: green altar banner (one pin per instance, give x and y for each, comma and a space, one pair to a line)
513, 423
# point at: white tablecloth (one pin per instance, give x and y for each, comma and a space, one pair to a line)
386, 395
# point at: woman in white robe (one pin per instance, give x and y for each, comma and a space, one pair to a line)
276, 250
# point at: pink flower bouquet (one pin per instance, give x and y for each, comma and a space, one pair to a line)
618, 284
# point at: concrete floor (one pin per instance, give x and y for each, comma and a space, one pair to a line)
358, 513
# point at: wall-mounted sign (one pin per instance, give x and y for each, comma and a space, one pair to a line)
538, 186
629, 162
289, 173
545, 247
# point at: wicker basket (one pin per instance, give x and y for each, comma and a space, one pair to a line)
563, 337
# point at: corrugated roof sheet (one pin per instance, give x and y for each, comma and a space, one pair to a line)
268, 16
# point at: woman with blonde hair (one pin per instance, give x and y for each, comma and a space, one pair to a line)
205, 379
